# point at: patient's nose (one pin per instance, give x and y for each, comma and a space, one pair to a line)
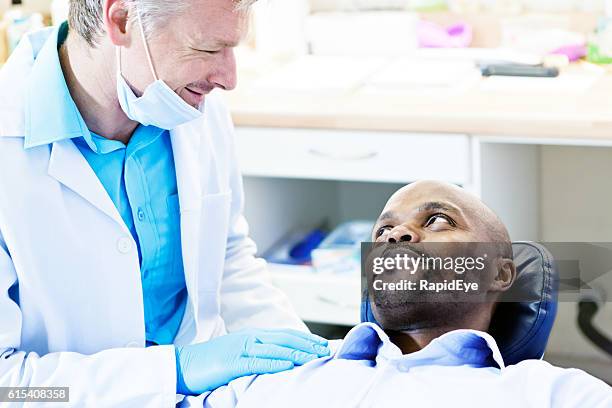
402, 234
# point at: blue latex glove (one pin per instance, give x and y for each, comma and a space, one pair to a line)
205, 366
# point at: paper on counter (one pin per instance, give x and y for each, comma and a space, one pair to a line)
408, 75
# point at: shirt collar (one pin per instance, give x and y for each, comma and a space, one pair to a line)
51, 114
367, 341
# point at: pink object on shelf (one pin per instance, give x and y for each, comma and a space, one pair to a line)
432, 35
573, 52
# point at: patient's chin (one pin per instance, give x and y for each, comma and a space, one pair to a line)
410, 316
405, 299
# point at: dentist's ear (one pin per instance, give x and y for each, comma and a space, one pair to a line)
116, 22
506, 273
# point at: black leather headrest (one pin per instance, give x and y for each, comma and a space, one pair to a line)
525, 315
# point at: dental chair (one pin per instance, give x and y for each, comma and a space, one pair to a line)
520, 328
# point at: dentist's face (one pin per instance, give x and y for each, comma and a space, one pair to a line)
192, 52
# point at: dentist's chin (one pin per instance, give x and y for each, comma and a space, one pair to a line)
194, 97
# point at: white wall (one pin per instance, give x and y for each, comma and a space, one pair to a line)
576, 194
576, 205
507, 180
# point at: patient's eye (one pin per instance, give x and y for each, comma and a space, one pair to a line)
439, 220
382, 230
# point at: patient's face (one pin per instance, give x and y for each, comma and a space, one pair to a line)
436, 220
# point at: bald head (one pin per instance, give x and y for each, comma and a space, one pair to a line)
442, 220
439, 211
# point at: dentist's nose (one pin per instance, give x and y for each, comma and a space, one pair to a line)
225, 76
402, 233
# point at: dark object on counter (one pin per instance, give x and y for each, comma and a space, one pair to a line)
518, 70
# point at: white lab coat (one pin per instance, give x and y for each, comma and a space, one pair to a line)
71, 309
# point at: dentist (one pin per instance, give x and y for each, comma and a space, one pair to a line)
125, 259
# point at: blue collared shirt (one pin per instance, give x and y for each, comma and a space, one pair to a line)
139, 178
460, 369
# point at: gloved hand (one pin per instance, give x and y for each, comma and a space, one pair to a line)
206, 366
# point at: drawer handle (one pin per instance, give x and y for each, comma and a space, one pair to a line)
334, 302
344, 157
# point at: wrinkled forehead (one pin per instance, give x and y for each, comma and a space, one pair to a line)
422, 196
213, 21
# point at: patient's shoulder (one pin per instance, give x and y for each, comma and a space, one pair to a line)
541, 367
334, 345
560, 382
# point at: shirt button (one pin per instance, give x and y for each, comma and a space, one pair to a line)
124, 245
403, 368
141, 215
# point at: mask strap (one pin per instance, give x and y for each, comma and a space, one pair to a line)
118, 58
146, 46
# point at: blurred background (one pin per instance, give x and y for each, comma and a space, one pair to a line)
341, 102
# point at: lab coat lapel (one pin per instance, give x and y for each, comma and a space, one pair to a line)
186, 142
68, 166
186, 151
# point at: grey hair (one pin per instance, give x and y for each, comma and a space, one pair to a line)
85, 16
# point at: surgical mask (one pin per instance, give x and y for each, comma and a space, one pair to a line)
159, 105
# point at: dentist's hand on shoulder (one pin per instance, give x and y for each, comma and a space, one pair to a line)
205, 366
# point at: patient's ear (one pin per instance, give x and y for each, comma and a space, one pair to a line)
506, 273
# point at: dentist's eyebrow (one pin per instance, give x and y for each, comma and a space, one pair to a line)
227, 44
221, 42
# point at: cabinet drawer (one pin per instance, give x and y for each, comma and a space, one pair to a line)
353, 155
320, 298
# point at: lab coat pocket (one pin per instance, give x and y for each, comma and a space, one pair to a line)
214, 225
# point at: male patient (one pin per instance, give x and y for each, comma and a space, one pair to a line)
427, 354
